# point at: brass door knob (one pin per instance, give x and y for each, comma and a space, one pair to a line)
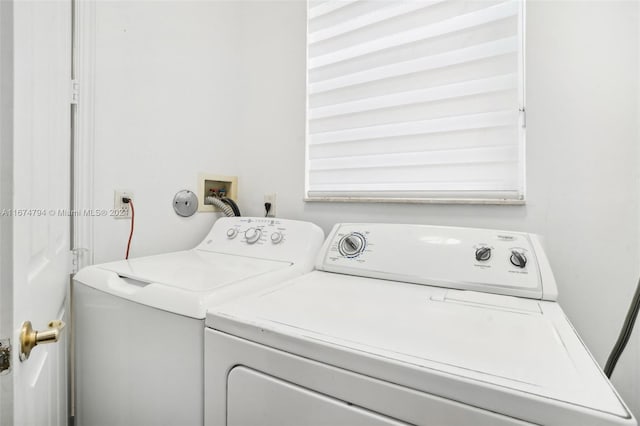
30, 338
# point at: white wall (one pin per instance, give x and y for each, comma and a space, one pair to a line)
164, 89
219, 87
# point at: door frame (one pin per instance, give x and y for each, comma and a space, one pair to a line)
83, 136
82, 158
6, 190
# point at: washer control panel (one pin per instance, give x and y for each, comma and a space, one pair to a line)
262, 237
258, 233
502, 262
255, 231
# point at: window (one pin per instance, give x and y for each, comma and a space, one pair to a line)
415, 101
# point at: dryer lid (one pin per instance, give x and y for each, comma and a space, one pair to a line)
463, 345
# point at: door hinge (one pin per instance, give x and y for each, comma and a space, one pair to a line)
75, 92
77, 257
74, 261
523, 112
5, 356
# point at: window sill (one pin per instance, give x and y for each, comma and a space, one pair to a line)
476, 201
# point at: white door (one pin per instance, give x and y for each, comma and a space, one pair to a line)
35, 63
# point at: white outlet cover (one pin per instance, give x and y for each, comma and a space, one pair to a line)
118, 205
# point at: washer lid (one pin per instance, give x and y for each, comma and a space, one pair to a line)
478, 348
193, 270
186, 282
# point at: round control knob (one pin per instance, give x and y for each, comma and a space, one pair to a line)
518, 259
483, 254
276, 237
231, 233
252, 235
352, 245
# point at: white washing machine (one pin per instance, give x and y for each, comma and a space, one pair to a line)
404, 324
139, 324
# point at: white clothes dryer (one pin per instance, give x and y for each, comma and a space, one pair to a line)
139, 324
407, 324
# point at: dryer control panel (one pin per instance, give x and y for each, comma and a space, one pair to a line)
501, 262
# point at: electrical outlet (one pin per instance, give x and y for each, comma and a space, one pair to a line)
121, 210
271, 198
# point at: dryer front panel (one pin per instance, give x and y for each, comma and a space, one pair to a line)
255, 398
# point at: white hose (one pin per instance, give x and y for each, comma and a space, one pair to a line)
226, 209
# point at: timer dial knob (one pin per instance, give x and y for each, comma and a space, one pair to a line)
352, 245
252, 235
276, 237
483, 254
518, 259
231, 233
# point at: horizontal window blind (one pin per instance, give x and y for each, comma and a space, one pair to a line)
415, 99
